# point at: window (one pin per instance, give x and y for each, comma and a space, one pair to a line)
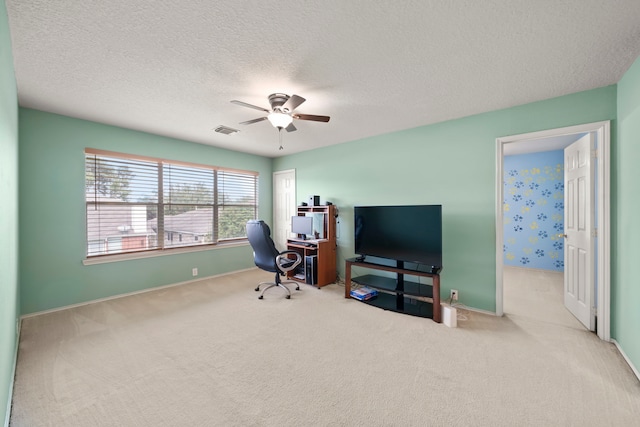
139, 203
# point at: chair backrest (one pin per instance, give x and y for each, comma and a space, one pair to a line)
264, 249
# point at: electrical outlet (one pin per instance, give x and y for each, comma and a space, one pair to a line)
454, 295
194, 271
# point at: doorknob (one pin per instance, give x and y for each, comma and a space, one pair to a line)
562, 235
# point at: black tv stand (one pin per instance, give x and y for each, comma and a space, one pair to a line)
398, 294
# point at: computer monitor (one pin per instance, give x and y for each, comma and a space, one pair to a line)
302, 225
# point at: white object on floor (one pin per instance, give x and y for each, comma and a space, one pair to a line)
449, 316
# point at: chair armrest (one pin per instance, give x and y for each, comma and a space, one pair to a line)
285, 263
291, 252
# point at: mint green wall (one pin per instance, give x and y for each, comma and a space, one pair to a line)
451, 163
625, 289
8, 216
52, 231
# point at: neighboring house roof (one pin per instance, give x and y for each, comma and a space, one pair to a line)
199, 221
110, 220
114, 219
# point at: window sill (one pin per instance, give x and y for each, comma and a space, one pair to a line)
152, 254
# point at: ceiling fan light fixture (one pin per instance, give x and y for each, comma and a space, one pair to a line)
280, 120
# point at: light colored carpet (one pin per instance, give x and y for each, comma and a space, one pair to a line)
211, 354
537, 295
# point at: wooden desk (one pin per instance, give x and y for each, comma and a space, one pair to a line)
325, 251
323, 247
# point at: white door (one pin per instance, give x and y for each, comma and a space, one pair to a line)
284, 206
579, 229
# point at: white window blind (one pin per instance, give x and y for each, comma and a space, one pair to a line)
140, 204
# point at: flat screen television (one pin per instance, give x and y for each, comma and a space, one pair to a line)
302, 226
410, 234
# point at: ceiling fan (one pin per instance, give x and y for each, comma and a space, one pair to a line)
281, 114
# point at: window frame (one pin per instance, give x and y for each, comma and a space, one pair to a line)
217, 205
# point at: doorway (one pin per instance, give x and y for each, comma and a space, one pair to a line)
284, 206
537, 296
536, 142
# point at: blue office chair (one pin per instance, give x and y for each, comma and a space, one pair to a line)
267, 257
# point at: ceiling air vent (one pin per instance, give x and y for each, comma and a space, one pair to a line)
226, 130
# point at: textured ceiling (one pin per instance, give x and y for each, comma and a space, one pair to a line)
171, 67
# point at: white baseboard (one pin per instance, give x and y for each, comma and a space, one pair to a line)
633, 368
142, 291
460, 306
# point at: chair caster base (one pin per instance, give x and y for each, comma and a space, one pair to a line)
257, 289
260, 297
288, 297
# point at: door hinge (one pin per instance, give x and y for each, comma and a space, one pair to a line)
594, 232
594, 154
594, 311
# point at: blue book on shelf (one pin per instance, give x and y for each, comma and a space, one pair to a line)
363, 293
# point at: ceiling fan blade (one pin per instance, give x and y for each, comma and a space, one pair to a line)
244, 104
311, 117
249, 122
290, 128
292, 103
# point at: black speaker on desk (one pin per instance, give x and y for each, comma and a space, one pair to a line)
311, 269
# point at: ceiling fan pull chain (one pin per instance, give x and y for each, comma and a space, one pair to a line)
280, 138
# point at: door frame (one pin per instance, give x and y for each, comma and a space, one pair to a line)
603, 203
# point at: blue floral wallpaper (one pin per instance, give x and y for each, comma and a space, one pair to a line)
534, 210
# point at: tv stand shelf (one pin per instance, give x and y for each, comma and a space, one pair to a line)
388, 284
397, 294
